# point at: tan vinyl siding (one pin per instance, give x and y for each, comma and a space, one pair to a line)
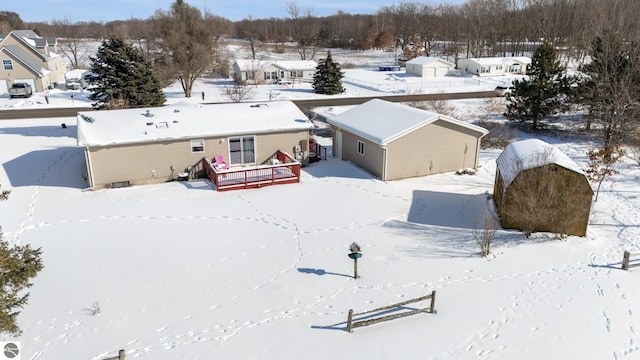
151, 162
436, 148
373, 158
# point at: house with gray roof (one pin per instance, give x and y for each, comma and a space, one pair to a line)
29, 58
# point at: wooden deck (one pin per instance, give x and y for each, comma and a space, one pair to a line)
278, 169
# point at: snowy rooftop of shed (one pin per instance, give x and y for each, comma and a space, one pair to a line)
529, 154
187, 121
422, 60
382, 121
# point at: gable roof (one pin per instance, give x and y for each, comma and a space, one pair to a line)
529, 154
382, 121
23, 57
425, 60
188, 121
30, 44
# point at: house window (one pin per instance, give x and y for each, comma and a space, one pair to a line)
296, 73
197, 145
270, 75
242, 150
7, 64
485, 69
515, 68
498, 67
360, 148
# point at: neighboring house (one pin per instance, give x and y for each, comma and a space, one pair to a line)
138, 146
271, 72
423, 66
29, 58
539, 187
76, 79
495, 66
394, 141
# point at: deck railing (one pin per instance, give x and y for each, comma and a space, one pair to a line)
278, 169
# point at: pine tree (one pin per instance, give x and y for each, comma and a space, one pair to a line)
18, 265
328, 77
543, 93
123, 78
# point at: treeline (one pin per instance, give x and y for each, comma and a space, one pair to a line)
474, 28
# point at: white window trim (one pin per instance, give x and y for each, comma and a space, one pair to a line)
360, 148
195, 144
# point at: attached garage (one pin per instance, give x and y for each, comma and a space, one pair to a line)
394, 141
424, 66
539, 188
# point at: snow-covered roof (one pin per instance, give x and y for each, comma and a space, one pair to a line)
529, 154
185, 121
382, 121
487, 61
75, 74
424, 60
252, 65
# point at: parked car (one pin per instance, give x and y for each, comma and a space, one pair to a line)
20, 90
503, 90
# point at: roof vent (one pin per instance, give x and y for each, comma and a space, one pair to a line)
87, 118
150, 123
176, 110
148, 113
259, 105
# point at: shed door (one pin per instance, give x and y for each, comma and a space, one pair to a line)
4, 87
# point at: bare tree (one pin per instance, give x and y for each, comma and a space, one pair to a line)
601, 163
485, 233
186, 43
238, 92
74, 48
306, 32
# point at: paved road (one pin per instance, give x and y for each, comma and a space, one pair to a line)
304, 104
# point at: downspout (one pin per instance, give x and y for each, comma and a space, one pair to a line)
89, 167
384, 163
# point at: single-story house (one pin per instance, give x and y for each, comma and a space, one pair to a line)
495, 66
424, 66
394, 141
539, 188
271, 72
142, 146
29, 58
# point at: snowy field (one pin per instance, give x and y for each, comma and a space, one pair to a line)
179, 271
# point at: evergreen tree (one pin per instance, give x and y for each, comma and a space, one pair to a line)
123, 78
328, 77
542, 94
611, 87
18, 265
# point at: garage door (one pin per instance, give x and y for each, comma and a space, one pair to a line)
429, 72
4, 87
31, 82
442, 71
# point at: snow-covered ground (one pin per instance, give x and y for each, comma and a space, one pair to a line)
180, 271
